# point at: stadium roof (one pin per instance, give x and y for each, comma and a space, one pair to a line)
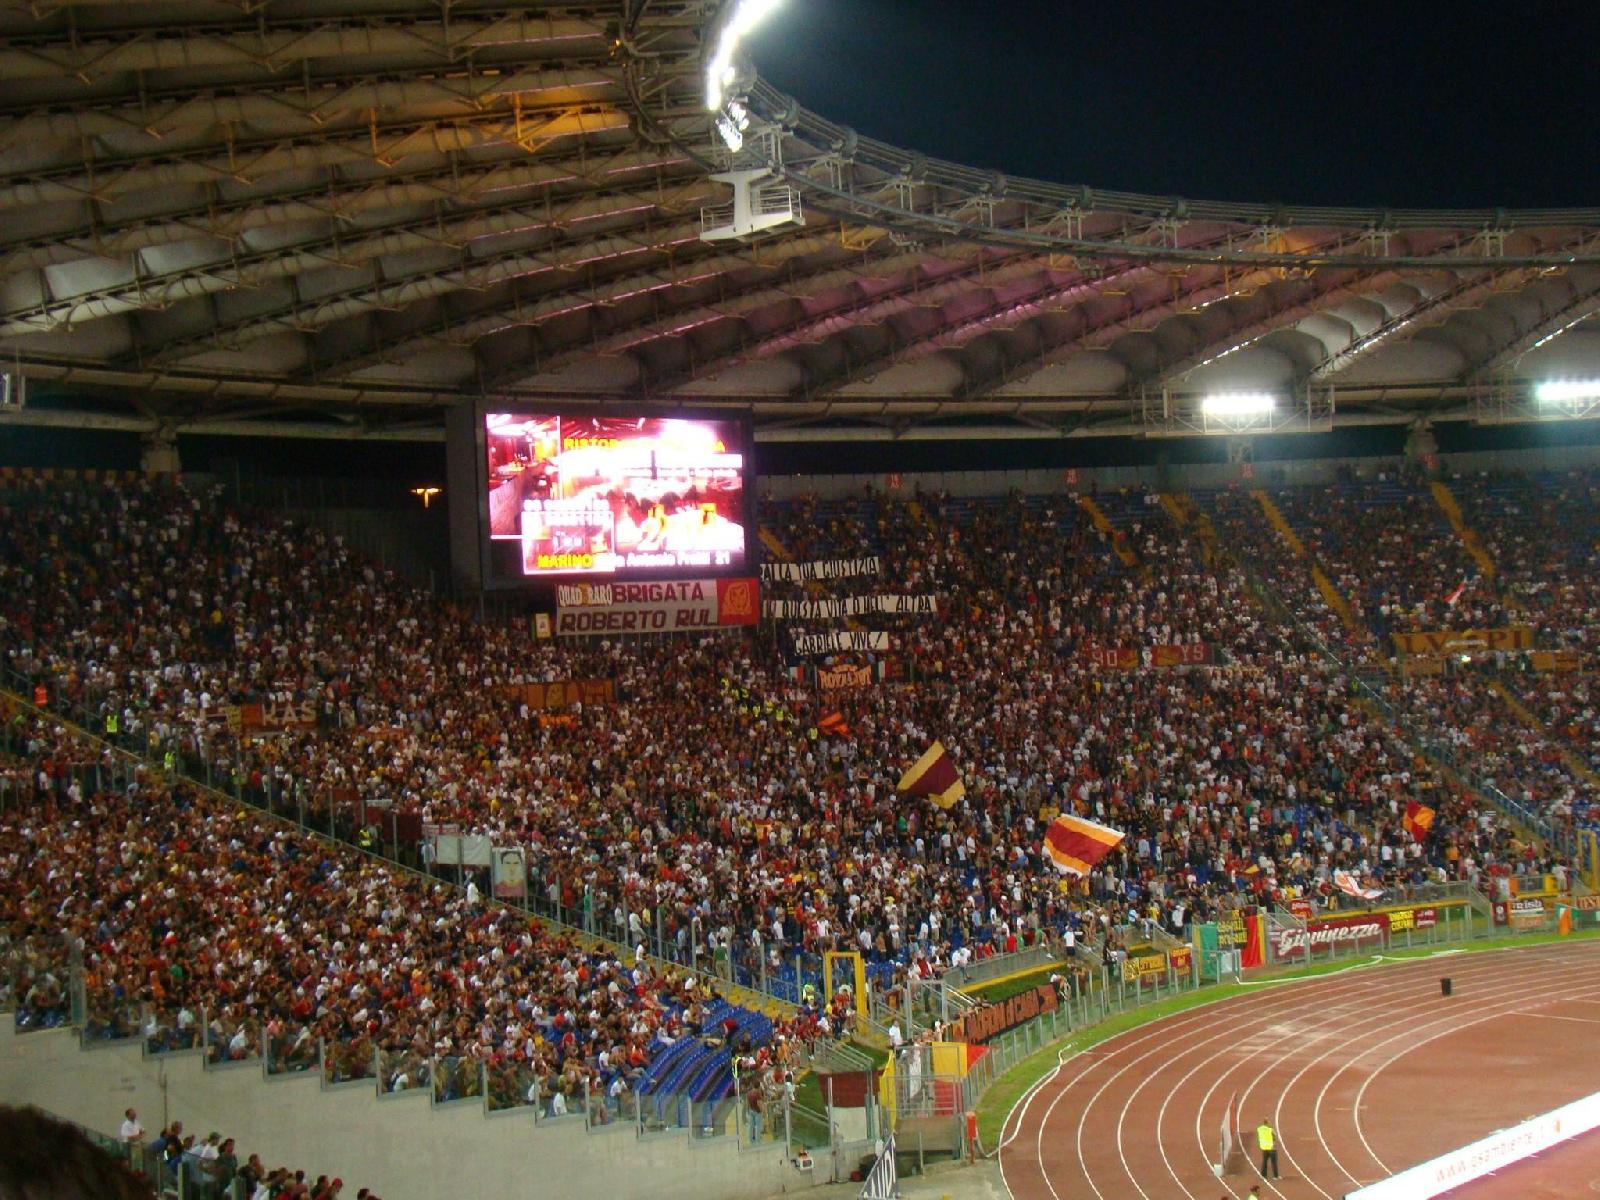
341, 216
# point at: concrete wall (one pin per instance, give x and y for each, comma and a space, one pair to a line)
1184, 477
402, 1148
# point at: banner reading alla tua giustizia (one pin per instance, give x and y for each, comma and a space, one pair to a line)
827, 568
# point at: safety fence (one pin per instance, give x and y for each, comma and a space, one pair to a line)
42, 984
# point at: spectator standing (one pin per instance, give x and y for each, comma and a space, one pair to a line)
131, 1133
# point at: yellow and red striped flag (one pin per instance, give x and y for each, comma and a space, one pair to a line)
1075, 845
935, 776
1418, 820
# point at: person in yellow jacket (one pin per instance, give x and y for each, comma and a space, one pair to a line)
1267, 1139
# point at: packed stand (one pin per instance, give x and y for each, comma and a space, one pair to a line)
1390, 550
183, 913
1539, 531
703, 812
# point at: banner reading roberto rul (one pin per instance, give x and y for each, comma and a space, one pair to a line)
677, 606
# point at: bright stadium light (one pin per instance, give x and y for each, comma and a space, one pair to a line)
1239, 404
742, 17
1557, 392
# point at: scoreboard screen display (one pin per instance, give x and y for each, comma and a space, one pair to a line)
608, 496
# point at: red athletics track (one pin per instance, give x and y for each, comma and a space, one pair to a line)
1363, 1073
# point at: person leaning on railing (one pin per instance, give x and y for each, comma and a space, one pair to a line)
42, 1157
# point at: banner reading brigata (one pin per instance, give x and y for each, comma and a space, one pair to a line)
681, 606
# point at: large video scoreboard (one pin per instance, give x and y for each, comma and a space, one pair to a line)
564, 494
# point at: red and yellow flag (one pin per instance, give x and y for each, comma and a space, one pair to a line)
833, 724
1418, 820
935, 776
1076, 845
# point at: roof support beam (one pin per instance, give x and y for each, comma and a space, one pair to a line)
245, 162
1003, 313
309, 112
371, 289
271, 46
340, 196
236, 269
455, 327
1584, 304
1321, 292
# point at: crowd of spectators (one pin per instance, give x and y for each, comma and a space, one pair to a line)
1539, 532
702, 813
212, 1168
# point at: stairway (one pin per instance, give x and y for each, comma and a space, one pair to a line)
1330, 594
1527, 716
774, 544
1192, 519
1119, 543
1276, 519
1469, 537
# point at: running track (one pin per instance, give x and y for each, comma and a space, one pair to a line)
1363, 1073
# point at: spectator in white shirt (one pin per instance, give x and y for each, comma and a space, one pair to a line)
131, 1132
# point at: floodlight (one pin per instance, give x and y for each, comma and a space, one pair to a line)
1239, 404
1568, 391
742, 18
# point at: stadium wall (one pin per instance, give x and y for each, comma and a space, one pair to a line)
1181, 477
401, 1147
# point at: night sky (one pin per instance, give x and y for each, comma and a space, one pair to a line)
1403, 105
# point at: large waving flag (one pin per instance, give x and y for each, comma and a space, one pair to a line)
1076, 845
1418, 820
934, 776
1351, 886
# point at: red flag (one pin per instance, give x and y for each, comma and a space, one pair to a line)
1076, 845
935, 776
832, 724
1450, 600
1418, 820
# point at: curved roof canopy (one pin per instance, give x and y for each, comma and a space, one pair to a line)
344, 215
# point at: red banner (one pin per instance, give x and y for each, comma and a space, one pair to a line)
1111, 658
1185, 654
564, 693
277, 716
832, 679
1128, 658
1292, 941
1241, 931
990, 1020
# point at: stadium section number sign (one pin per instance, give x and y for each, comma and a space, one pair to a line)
606, 495
679, 606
